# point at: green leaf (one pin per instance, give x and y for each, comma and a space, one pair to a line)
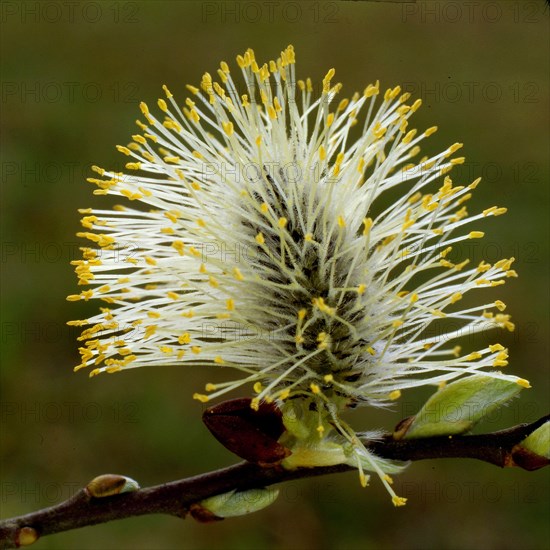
457, 407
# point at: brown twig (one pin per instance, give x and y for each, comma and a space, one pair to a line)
177, 497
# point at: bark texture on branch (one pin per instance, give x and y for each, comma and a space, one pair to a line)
176, 498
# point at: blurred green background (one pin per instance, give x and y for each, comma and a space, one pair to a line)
72, 77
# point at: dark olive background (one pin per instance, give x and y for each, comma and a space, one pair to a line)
72, 77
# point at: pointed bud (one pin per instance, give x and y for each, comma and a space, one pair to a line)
248, 432
234, 503
107, 485
26, 536
539, 441
534, 451
457, 407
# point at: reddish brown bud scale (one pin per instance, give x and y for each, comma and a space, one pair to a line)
202, 515
526, 459
250, 434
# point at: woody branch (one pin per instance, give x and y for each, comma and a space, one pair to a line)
178, 498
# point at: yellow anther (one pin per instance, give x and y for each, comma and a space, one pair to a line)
500, 305
430, 131
284, 394
343, 104
201, 397
328, 378
504, 264
326, 80
315, 388
409, 137
367, 225
398, 501
462, 264
395, 394
185, 338
454, 148
237, 274
228, 128
282, 222
496, 347
456, 297
476, 234
372, 89
260, 238
523, 383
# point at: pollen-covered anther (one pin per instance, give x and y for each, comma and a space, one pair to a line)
201, 397
456, 297
238, 274
315, 388
496, 347
495, 211
320, 304
398, 501
367, 225
260, 239
324, 340
501, 359
255, 404
285, 394
504, 320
